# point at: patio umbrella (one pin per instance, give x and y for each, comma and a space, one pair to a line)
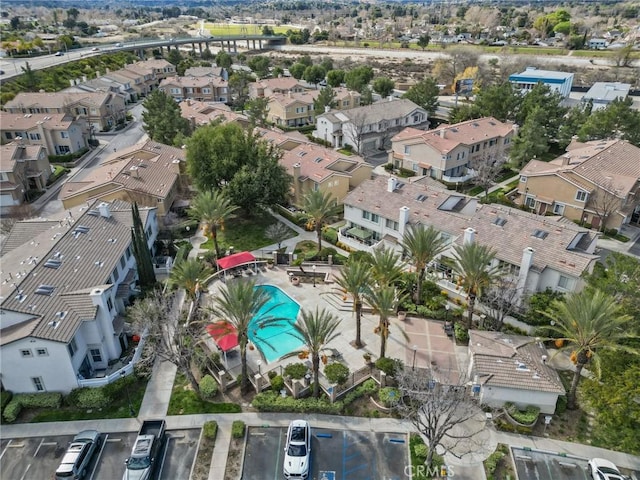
225, 335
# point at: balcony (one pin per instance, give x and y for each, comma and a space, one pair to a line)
461, 179
357, 238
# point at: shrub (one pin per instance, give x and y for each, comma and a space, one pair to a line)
561, 405
295, 370
525, 417
491, 463
12, 410
88, 398
39, 400
461, 333
326, 251
389, 167
237, 429
366, 388
420, 450
277, 383
273, 402
388, 365
336, 373
208, 387
330, 235
210, 429
5, 397
388, 395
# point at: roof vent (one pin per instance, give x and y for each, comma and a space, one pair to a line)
45, 290
51, 263
421, 198
500, 221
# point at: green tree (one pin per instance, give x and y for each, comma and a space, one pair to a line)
589, 323
475, 270
335, 77
423, 41
619, 277
316, 330
239, 87
541, 97
499, 101
531, 141
573, 121
267, 30
354, 279
324, 99
383, 86
314, 74
319, 207
211, 208
30, 77
384, 300
190, 275
174, 57
162, 118
358, 78
617, 118
422, 245
297, 70
260, 65
386, 266
223, 59
239, 303
141, 251
424, 94
257, 110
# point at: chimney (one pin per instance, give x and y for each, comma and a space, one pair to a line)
403, 219
289, 94
72, 82
296, 181
566, 158
103, 208
469, 236
192, 121
175, 166
443, 133
391, 184
327, 108
516, 129
107, 70
525, 266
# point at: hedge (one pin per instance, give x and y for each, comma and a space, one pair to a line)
336, 373
237, 429
89, 398
5, 397
11, 411
273, 402
389, 396
366, 388
295, 370
30, 400
210, 429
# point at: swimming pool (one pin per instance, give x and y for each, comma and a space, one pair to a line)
279, 305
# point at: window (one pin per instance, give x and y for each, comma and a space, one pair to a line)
206, 90
26, 353
366, 215
63, 149
128, 252
375, 218
72, 347
123, 263
563, 282
109, 304
530, 201
407, 149
523, 178
581, 196
393, 225
8, 135
414, 167
38, 384
64, 134
34, 136
96, 356
42, 352
558, 208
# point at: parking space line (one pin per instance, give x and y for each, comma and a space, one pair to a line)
164, 455
5, 448
113, 440
275, 473
24, 475
104, 444
38, 449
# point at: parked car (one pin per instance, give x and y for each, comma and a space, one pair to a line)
297, 451
602, 469
95, 49
78, 456
59, 54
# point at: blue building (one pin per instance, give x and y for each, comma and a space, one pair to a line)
558, 81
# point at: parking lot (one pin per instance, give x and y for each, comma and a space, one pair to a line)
38, 458
335, 455
534, 465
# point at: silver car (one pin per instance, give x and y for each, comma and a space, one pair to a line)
602, 469
78, 456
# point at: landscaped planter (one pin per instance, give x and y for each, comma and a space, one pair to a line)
402, 316
295, 281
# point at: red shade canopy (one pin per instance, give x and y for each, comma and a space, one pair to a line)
224, 334
235, 260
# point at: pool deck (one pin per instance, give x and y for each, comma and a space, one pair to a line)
432, 347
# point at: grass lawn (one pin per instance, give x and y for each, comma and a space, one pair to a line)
244, 233
216, 29
185, 401
306, 247
118, 409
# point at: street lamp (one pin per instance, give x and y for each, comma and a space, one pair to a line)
126, 387
314, 276
259, 365
415, 349
446, 313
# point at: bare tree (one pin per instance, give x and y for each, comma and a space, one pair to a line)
502, 299
355, 131
487, 167
172, 340
604, 201
278, 232
444, 415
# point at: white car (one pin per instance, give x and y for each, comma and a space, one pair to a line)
602, 469
297, 451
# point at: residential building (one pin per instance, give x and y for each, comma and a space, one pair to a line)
536, 252
314, 167
204, 89
270, 86
512, 368
597, 183
560, 82
63, 323
451, 152
58, 133
158, 67
23, 168
203, 113
283, 140
345, 99
100, 110
369, 128
602, 94
148, 173
292, 109
112, 82
207, 72
597, 43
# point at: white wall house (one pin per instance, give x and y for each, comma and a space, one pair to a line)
61, 322
560, 82
536, 252
370, 127
512, 368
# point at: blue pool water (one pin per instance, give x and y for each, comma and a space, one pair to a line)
274, 341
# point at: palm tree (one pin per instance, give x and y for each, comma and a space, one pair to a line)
354, 278
475, 272
319, 208
189, 274
212, 209
422, 245
386, 266
589, 322
384, 302
316, 330
238, 303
